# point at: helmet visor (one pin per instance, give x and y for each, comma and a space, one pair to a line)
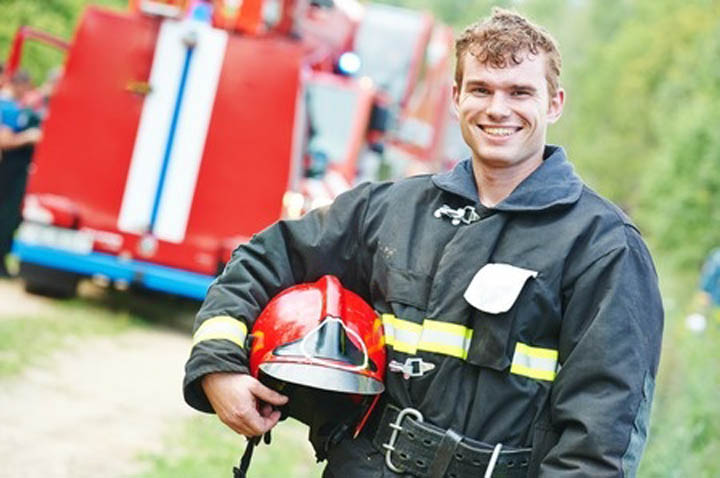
326, 358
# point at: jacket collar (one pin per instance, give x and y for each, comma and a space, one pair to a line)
551, 185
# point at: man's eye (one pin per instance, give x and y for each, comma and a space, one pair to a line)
521, 93
480, 91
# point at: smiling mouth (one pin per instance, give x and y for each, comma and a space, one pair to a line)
500, 131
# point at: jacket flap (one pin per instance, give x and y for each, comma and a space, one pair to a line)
495, 287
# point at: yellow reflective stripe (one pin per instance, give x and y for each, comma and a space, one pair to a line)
534, 362
439, 348
401, 324
401, 335
447, 327
536, 351
532, 373
432, 336
223, 327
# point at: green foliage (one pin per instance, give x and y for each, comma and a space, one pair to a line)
620, 114
685, 422
457, 13
57, 17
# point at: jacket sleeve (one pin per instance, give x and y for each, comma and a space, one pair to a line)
324, 241
609, 352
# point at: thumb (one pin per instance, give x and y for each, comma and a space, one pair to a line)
268, 395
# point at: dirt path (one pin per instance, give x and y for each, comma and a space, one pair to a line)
14, 300
100, 403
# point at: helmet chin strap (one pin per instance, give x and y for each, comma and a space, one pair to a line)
364, 419
240, 471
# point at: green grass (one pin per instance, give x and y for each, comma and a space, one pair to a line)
204, 447
27, 340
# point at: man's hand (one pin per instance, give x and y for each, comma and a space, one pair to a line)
10, 140
31, 136
242, 402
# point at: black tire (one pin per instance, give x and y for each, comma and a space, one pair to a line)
41, 280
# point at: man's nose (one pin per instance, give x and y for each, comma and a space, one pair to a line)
497, 106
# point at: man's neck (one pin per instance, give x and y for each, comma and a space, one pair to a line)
495, 184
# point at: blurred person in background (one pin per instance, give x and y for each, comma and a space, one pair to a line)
38, 99
710, 283
521, 310
19, 132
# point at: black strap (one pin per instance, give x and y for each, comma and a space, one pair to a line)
444, 454
240, 471
418, 449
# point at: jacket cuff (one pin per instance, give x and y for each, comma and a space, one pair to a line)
210, 357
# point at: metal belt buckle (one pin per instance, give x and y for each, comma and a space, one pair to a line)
397, 426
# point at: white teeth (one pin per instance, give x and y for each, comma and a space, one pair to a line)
499, 131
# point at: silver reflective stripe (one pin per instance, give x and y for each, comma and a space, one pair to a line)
534, 362
223, 327
445, 338
402, 335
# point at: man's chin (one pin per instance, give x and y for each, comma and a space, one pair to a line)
496, 157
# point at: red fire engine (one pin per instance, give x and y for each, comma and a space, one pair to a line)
180, 128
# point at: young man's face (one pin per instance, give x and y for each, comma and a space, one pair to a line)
504, 112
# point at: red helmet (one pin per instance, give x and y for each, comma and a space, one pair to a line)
323, 346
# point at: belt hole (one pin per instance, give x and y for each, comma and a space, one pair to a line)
477, 463
404, 456
427, 442
452, 475
420, 463
459, 456
410, 435
510, 464
524, 463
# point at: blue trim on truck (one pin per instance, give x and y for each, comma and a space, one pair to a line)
151, 276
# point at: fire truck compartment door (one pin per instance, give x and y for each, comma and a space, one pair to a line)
173, 127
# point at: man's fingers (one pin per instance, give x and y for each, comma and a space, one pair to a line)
258, 424
268, 395
246, 421
271, 421
266, 409
242, 402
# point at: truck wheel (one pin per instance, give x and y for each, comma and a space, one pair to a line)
40, 280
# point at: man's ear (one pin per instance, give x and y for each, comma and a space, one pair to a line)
555, 109
456, 99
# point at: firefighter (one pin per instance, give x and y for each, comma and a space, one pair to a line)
19, 133
521, 310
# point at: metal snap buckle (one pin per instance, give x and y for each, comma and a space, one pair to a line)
469, 215
413, 367
465, 215
397, 426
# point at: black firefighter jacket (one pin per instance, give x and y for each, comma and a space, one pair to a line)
542, 316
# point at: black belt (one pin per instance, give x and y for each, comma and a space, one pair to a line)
426, 451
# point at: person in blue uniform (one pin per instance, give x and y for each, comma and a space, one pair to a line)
19, 132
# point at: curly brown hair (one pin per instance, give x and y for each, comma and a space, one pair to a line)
507, 38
